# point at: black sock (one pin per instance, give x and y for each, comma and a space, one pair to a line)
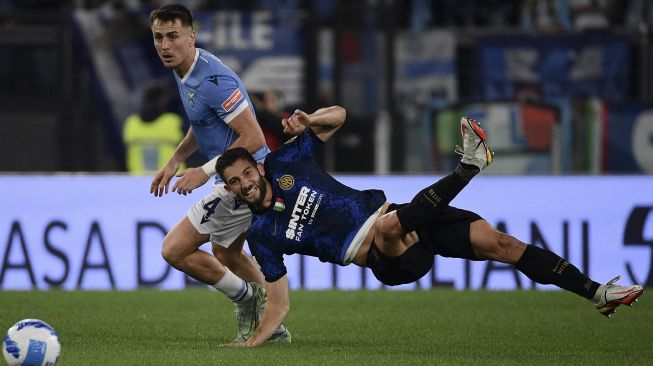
545, 267
466, 171
426, 204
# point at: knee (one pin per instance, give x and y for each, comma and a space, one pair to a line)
170, 253
509, 248
489, 243
506, 241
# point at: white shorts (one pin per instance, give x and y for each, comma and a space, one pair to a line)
220, 215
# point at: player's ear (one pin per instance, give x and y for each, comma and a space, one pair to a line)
261, 170
191, 39
226, 186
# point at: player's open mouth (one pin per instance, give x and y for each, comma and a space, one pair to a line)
250, 193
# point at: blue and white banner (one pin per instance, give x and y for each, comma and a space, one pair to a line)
263, 48
105, 232
629, 138
553, 66
426, 65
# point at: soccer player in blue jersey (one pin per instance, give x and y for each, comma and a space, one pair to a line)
221, 117
299, 208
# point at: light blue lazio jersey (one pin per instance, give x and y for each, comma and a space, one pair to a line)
213, 95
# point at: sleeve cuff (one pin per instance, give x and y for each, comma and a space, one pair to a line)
209, 167
236, 111
311, 133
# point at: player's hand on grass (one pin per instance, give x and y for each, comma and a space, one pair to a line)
296, 124
189, 179
161, 180
247, 344
234, 345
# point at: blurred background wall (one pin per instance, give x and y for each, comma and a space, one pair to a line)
562, 86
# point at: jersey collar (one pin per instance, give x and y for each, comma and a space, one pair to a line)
192, 67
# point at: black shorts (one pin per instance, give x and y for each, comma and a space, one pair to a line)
409, 267
447, 235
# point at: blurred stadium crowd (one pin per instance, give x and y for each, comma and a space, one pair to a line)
562, 86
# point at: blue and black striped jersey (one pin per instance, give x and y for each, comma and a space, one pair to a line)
311, 212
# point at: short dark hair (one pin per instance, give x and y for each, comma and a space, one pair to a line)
171, 12
230, 157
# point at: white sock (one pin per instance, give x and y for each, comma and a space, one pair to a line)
234, 287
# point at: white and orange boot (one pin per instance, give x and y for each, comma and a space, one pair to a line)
475, 150
610, 296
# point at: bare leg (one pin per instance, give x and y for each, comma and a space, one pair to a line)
181, 250
390, 237
490, 243
238, 261
540, 265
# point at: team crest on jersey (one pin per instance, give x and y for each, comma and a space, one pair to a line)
191, 95
233, 99
286, 182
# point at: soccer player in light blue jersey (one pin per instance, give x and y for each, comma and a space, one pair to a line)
221, 117
299, 208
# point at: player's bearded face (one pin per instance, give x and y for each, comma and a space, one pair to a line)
174, 43
254, 192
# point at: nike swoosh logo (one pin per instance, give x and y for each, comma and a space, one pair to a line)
557, 265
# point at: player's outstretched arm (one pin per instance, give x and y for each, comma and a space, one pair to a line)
161, 180
275, 312
324, 122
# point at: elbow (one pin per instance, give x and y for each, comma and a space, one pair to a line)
342, 113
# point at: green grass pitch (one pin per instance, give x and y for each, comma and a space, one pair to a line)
438, 327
